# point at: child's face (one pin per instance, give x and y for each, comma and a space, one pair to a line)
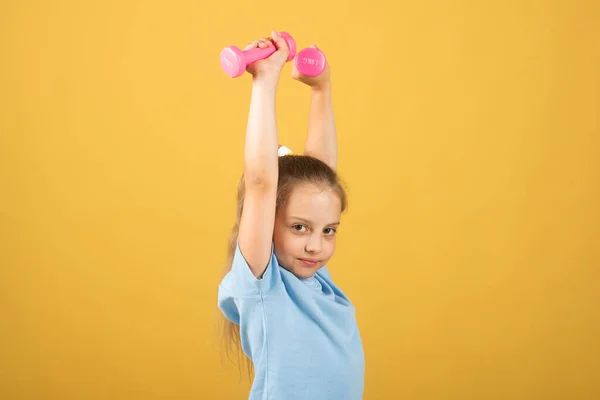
305, 229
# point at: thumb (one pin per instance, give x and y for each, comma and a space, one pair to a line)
280, 43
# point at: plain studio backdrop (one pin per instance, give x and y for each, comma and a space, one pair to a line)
468, 137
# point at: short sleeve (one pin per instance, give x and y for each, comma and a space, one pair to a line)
240, 284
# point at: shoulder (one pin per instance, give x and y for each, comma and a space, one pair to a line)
240, 281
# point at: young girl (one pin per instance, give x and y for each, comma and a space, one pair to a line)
282, 309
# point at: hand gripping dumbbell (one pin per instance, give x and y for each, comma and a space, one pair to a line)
234, 60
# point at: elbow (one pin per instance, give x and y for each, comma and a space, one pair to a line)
260, 179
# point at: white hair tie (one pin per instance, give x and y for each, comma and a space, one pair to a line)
283, 151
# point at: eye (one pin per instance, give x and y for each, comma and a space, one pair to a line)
330, 231
298, 227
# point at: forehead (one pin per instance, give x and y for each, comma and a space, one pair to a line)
315, 203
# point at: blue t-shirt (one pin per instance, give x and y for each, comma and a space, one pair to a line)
301, 334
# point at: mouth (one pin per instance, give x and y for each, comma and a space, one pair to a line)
309, 263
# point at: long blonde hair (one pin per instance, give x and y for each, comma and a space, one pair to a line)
293, 170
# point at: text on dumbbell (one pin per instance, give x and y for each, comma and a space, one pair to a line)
310, 61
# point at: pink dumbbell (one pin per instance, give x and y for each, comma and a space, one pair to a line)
234, 60
310, 61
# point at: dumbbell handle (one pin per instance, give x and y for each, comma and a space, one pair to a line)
257, 53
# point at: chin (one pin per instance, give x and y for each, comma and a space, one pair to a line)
303, 272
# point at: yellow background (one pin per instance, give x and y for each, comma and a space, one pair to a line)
469, 138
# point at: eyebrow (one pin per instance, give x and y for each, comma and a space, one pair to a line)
309, 222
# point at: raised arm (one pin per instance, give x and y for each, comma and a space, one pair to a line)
321, 141
260, 159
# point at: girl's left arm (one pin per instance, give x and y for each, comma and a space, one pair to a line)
321, 141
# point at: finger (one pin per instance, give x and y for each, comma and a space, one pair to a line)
295, 72
263, 43
251, 45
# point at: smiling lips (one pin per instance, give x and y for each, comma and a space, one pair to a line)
309, 263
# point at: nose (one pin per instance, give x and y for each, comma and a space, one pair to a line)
314, 244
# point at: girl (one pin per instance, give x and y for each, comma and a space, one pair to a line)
282, 309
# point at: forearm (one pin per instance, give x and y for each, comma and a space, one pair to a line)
260, 152
322, 137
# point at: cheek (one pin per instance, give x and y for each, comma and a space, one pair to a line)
279, 233
286, 243
330, 247
293, 243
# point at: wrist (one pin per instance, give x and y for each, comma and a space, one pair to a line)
267, 82
321, 88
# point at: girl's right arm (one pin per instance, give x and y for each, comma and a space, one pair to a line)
260, 159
